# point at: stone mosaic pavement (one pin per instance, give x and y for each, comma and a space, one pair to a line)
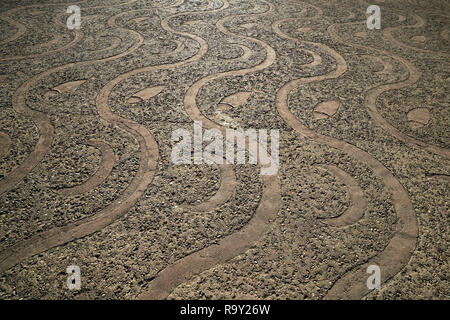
86, 176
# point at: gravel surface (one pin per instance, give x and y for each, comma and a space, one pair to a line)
86, 176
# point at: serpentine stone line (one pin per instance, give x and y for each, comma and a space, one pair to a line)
144, 176
99, 176
240, 241
227, 248
5, 144
41, 120
387, 33
247, 52
357, 201
317, 59
226, 189
78, 37
372, 95
56, 38
21, 28
190, 104
57, 236
391, 260
179, 48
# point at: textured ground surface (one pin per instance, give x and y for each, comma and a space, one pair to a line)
87, 178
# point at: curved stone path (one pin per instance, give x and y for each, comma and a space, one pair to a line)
312, 65
357, 200
100, 175
352, 285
